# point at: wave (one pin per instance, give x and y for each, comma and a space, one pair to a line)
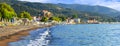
39, 37
43, 39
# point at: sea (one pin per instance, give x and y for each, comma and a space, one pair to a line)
73, 35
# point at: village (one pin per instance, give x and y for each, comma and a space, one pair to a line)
37, 20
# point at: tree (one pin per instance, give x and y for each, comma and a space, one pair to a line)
75, 16
55, 18
25, 15
44, 19
63, 18
6, 11
0, 16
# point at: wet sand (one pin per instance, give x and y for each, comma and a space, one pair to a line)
17, 36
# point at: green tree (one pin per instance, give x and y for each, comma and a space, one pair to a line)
6, 11
25, 15
44, 19
63, 18
75, 16
0, 16
55, 18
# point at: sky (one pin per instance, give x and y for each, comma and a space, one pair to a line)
115, 4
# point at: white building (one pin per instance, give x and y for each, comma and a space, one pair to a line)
92, 21
77, 20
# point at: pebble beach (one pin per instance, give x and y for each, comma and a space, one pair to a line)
13, 33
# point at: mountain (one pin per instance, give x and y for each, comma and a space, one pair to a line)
57, 9
88, 8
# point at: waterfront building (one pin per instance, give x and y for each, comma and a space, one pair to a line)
34, 18
70, 21
77, 20
92, 21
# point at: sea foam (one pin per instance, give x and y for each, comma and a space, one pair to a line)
39, 37
41, 40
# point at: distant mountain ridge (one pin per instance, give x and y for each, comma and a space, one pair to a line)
88, 8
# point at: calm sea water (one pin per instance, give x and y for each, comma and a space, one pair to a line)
73, 35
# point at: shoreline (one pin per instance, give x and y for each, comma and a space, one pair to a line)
16, 36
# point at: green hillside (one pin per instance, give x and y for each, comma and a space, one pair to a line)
36, 8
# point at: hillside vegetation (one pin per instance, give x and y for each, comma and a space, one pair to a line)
35, 9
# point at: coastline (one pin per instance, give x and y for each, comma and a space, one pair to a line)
16, 36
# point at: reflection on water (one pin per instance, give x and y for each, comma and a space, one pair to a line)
73, 35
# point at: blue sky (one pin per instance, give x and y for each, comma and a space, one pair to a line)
115, 4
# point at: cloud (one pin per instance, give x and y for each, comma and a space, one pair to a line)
111, 4
115, 4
